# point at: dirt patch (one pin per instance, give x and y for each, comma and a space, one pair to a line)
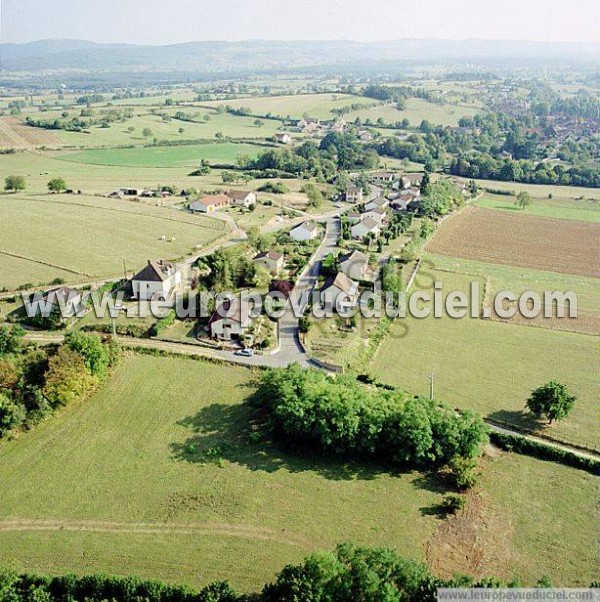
473, 542
501, 237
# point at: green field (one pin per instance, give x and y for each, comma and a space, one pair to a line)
92, 237
110, 476
541, 191
560, 208
489, 366
166, 156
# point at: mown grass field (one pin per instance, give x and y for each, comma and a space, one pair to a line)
156, 475
489, 366
166, 156
92, 237
110, 474
541, 191
561, 208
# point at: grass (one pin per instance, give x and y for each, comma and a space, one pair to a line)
112, 462
489, 366
541, 191
561, 208
166, 156
542, 513
93, 240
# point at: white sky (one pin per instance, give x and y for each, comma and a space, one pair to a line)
171, 21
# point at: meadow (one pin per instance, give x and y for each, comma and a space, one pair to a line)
158, 475
91, 238
489, 366
188, 155
560, 208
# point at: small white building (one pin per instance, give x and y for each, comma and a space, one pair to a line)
379, 215
271, 261
383, 177
241, 198
411, 181
377, 203
158, 279
228, 322
340, 289
354, 194
282, 138
305, 231
367, 226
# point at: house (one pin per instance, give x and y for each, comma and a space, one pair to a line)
228, 322
210, 204
379, 215
366, 226
309, 125
339, 289
377, 203
354, 194
158, 279
305, 231
285, 287
271, 261
241, 198
411, 181
339, 126
354, 264
68, 300
354, 217
383, 177
282, 138
365, 135
129, 192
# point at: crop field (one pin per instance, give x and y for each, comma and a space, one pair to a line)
568, 246
583, 210
543, 191
416, 110
166, 156
13, 134
318, 106
62, 234
130, 487
489, 366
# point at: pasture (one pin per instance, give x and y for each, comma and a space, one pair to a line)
91, 237
156, 475
561, 208
489, 366
188, 155
568, 246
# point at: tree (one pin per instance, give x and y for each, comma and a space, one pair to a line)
57, 185
425, 183
14, 183
67, 377
551, 400
10, 339
12, 415
259, 123
94, 352
146, 132
523, 200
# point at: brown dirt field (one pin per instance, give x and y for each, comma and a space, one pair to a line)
13, 134
567, 246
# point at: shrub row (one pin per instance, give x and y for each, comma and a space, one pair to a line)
163, 323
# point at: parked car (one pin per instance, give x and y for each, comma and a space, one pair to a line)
244, 352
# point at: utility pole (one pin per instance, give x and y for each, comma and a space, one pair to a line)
431, 377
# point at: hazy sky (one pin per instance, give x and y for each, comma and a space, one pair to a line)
170, 21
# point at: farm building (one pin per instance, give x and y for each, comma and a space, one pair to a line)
305, 231
282, 138
271, 261
158, 279
241, 198
383, 177
210, 204
411, 181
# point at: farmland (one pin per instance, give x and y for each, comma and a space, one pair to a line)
171, 486
489, 366
91, 240
572, 247
167, 156
581, 209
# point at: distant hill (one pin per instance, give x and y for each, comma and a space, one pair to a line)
223, 57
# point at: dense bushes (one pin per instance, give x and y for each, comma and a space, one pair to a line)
33, 382
307, 408
348, 574
163, 323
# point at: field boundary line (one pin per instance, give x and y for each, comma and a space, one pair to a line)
51, 265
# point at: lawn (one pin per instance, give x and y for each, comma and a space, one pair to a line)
127, 477
71, 233
166, 156
560, 208
489, 366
